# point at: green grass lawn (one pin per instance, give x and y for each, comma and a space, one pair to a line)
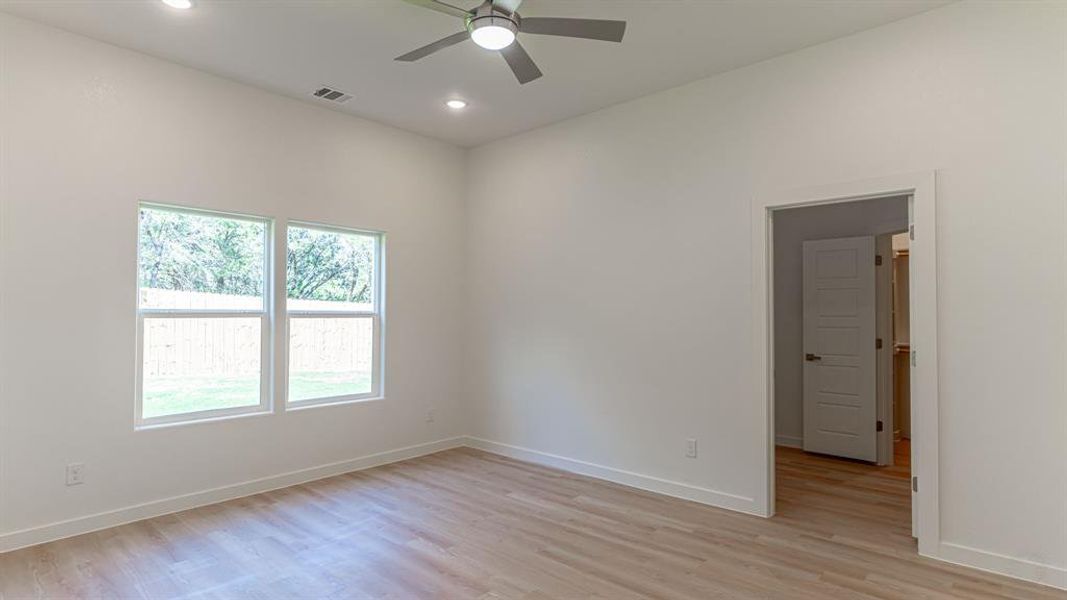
176, 395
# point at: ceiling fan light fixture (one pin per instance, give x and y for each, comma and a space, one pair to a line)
494, 24
493, 32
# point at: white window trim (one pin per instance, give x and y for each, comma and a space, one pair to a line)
266, 370
377, 316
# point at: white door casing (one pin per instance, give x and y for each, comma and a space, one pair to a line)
921, 187
840, 380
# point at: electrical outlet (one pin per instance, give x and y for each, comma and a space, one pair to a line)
691, 448
75, 474
430, 416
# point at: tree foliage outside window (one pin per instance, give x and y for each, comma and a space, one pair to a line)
330, 266
196, 253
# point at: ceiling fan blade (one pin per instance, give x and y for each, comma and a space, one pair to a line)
429, 49
508, 6
520, 62
442, 7
591, 29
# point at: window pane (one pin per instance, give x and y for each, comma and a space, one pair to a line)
330, 357
327, 270
200, 364
192, 261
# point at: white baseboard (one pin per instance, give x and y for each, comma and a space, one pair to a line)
1001, 564
645, 482
129, 514
789, 441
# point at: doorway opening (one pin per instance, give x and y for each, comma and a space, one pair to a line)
841, 294
840, 328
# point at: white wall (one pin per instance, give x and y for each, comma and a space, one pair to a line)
87, 130
607, 311
791, 228
609, 263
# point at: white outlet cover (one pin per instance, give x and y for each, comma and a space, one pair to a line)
75, 474
691, 448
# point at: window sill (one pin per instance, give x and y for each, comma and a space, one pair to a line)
258, 412
334, 401
150, 425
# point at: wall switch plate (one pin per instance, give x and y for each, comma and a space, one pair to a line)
75, 473
691, 448
430, 416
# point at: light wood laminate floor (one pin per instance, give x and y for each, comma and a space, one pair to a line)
466, 524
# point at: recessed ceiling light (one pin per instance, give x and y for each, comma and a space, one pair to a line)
179, 4
456, 104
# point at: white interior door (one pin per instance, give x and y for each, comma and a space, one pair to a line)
840, 381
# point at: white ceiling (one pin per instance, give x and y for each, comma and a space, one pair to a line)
295, 46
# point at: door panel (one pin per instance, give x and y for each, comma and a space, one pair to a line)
840, 383
838, 340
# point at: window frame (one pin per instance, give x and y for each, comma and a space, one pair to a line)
377, 316
265, 315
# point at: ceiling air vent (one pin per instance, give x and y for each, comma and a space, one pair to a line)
332, 95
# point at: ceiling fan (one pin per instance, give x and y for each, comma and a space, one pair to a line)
494, 24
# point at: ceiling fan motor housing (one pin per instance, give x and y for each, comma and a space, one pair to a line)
487, 16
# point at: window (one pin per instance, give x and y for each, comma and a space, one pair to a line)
333, 283
205, 331
203, 326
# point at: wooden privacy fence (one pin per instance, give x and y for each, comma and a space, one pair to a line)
331, 344
192, 346
231, 345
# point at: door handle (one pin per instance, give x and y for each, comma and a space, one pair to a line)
812, 357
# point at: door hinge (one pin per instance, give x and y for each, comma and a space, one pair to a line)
915, 483
913, 359
879, 426
878, 343
911, 232
877, 260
